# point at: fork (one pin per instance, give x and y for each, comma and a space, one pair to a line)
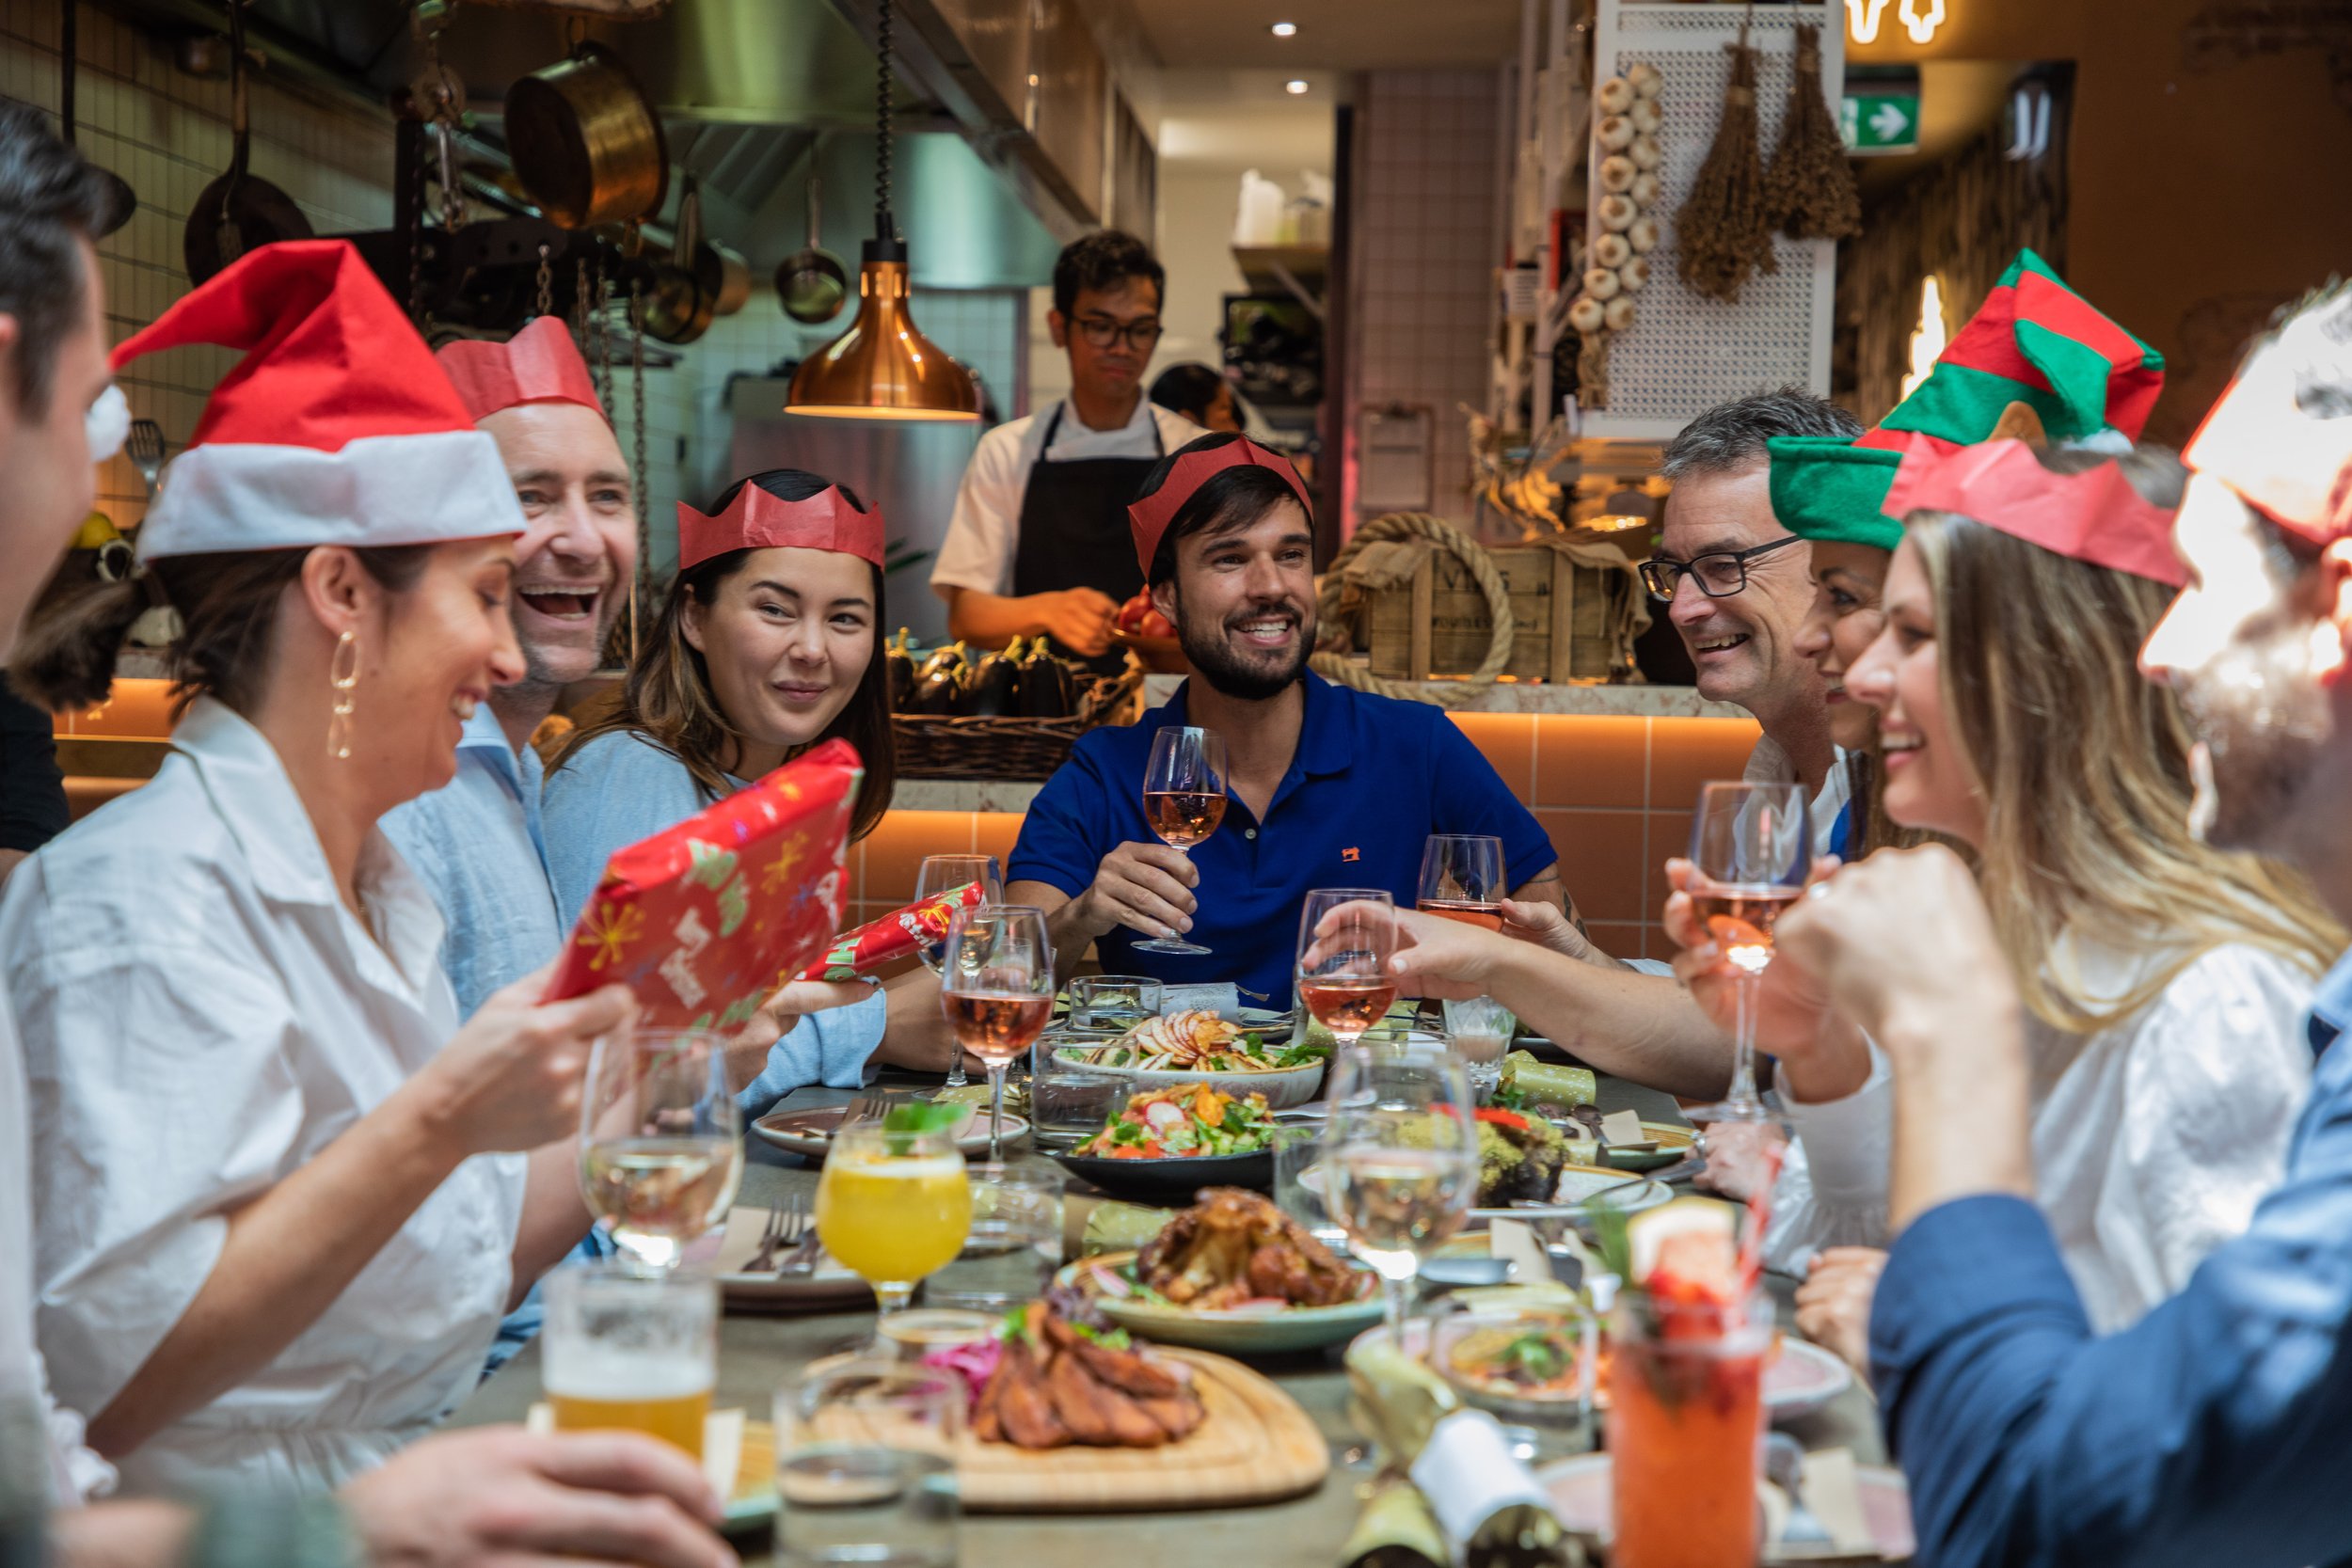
867, 1106
143, 446
800, 1237
771, 1237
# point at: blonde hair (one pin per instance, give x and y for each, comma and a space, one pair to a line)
2084, 769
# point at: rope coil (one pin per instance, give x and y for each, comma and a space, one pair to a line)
1436, 530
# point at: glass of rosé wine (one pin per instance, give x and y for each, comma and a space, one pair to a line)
1183, 800
1751, 846
1346, 938
998, 988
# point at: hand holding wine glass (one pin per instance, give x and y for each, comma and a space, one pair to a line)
1751, 845
944, 874
1401, 1159
998, 990
1345, 936
660, 1140
1183, 800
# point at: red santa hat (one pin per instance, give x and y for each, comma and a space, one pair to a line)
539, 364
336, 428
1148, 518
760, 519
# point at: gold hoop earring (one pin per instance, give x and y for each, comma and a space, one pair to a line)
342, 673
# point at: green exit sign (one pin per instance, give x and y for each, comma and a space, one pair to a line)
1880, 112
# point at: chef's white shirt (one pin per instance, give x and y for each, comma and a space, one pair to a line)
984, 532
201, 1015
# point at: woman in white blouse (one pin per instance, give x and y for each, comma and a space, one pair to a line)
2166, 980
280, 1199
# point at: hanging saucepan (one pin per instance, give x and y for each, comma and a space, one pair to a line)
810, 283
585, 142
239, 212
120, 203
679, 309
725, 276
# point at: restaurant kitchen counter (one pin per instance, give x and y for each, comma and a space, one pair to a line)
760, 1350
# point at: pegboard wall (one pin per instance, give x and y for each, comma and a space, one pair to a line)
1684, 354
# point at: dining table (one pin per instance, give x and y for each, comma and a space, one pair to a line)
760, 1349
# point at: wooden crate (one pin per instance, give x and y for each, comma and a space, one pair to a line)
1439, 625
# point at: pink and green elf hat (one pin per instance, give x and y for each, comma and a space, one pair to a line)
2037, 358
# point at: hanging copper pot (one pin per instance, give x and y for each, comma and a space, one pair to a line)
585, 141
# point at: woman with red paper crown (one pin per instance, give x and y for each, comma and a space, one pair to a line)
769, 643
281, 1195
2166, 980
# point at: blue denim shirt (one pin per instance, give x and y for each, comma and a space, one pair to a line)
2212, 1431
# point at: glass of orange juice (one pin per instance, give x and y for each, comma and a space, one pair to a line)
633, 1351
1686, 1417
892, 1206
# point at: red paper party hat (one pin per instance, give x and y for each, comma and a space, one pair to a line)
1150, 516
756, 519
2094, 515
338, 427
539, 364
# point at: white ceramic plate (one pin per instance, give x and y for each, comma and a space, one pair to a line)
1256, 1331
1283, 1090
1581, 1190
810, 1133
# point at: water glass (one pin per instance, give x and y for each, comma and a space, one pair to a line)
1298, 1182
627, 1349
1069, 1102
1014, 1245
1400, 1163
660, 1140
866, 1465
1478, 1032
1113, 1003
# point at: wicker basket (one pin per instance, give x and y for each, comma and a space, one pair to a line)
930, 746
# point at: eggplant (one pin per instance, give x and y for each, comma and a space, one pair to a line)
938, 685
901, 667
996, 684
1049, 687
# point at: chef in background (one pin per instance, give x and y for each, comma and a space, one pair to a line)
1201, 395
1039, 542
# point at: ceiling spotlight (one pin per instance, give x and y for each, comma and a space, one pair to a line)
1284, 29
1295, 86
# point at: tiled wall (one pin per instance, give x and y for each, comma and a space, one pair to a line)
1425, 184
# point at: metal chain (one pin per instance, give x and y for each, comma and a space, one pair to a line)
546, 283
415, 247
580, 316
881, 126
637, 486
602, 327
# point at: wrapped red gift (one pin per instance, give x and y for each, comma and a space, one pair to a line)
702, 921
894, 935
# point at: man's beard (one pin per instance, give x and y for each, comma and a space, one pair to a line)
539, 659
2261, 723
1232, 674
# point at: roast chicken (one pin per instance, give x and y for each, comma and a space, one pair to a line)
1234, 1246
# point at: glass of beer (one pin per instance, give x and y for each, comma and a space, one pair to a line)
1346, 938
660, 1140
631, 1350
998, 992
1686, 1417
893, 1207
1183, 800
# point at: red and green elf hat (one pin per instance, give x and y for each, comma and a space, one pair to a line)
2035, 345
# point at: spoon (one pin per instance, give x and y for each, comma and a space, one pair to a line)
1784, 1464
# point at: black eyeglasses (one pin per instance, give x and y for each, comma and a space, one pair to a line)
1721, 573
1102, 332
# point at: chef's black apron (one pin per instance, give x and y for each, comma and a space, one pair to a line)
1074, 531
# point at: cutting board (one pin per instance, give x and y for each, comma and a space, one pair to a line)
1255, 1445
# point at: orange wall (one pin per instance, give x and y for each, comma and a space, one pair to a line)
2202, 197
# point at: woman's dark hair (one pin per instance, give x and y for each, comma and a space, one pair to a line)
1187, 389
227, 608
1229, 500
668, 698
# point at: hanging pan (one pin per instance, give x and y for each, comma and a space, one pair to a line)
120, 203
810, 283
239, 212
585, 141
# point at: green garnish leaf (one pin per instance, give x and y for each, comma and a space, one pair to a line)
921, 1116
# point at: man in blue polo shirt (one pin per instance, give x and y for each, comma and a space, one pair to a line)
1327, 786
2212, 1431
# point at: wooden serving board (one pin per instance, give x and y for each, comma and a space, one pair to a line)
1256, 1445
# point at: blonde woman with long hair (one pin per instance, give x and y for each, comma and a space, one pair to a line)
2167, 979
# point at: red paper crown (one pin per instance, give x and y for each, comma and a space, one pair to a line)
2292, 466
2094, 516
539, 364
756, 519
1151, 515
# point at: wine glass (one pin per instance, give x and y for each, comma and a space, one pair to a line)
1462, 878
660, 1140
893, 1207
1183, 800
998, 990
1751, 845
944, 874
1346, 938
1400, 1165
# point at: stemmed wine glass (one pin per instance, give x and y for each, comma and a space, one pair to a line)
1346, 938
660, 1140
893, 1207
1751, 845
1462, 878
1183, 800
998, 990
1400, 1165
944, 874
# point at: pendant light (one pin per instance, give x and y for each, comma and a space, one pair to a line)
883, 368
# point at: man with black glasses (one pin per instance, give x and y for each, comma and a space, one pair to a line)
1039, 542
1737, 586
